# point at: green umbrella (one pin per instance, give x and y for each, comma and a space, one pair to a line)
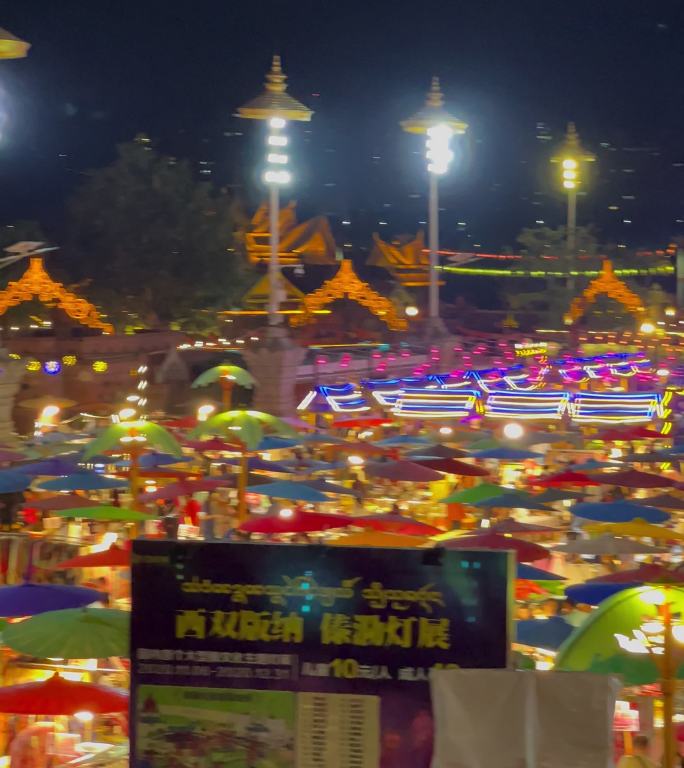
594, 646
105, 513
227, 376
74, 633
473, 495
127, 435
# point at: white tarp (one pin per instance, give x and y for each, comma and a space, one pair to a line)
510, 719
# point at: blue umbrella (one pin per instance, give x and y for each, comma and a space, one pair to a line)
290, 491
618, 512
506, 454
593, 464
596, 593
13, 482
310, 465
548, 633
55, 466
399, 440
549, 495
256, 464
324, 439
82, 481
271, 443
529, 572
512, 500
325, 487
151, 460
28, 599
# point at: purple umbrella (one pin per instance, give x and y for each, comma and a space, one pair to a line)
56, 467
186, 488
28, 599
403, 471
6, 456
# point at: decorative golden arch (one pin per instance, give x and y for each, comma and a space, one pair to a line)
405, 258
36, 283
607, 284
346, 284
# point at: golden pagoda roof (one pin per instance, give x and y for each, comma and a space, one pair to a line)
36, 283
346, 284
433, 113
310, 242
258, 295
275, 101
405, 258
606, 284
571, 147
12, 47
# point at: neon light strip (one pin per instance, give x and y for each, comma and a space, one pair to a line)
665, 269
527, 405
619, 407
437, 403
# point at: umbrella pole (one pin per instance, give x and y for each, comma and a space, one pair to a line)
668, 685
242, 487
134, 476
226, 393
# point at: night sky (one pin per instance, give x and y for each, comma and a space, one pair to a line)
99, 72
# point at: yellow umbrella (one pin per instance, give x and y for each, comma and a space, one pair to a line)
638, 529
379, 539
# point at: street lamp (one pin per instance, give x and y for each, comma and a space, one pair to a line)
438, 126
276, 107
12, 47
571, 158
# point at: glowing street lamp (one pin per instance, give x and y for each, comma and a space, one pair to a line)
277, 108
439, 127
571, 157
12, 47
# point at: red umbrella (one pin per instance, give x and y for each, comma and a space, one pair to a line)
212, 444
453, 467
186, 422
369, 421
396, 523
633, 478
57, 696
526, 551
628, 433
60, 501
185, 488
646, 574
114, 557
296, 521
403, 471
510, 525
563, 478
644, 433
360, 448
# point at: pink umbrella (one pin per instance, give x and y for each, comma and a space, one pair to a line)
563, 478
509, 525
646, 574
453, 467
395, 523
526, 551
60, 501
403, 471
296, 521
185, 488
633, 478
212, 444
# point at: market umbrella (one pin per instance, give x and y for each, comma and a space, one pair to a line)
275, 443
509, 525
186, 488
73, 633
648, 573
608, 545
592, 465
526, 551
247, 427
55, 466
395, 523
595, 646
550, 495
321, 438
504, 453
212, 445
548, 633
185, 422
361, 421
665, 501
633, 478
82, 481
512, 500
257, 464
295, 521
403, 471
638, 529
478, 493
378, 539
299, 466
453, 467
617, 512
134, 436
529, 572
57, 696
155, 459
105, 513
291, 491
232, 373
327, 487
401, 440
28, 599
13, 482
563, 478
8, 456
114, 557
437, 451
595, 594
60, 501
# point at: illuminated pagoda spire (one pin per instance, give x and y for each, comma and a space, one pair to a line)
275, 101
433, 113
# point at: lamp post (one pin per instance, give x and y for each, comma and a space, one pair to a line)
571, 157
438, 126
12, 47
276, 107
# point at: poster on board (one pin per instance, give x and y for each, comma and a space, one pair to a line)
304, 655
